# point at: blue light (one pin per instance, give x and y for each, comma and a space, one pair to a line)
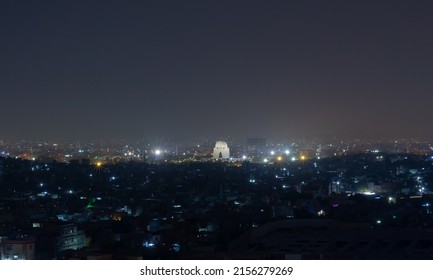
148, 244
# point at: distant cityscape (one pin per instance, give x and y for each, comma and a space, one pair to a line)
252, 149
254, 198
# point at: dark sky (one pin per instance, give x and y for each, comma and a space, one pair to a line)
127, 69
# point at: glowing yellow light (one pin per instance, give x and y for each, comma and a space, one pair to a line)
302, 157
279, 158
99, 164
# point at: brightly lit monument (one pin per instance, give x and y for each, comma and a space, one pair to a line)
221, 150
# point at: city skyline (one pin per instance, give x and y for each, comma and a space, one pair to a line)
204, 69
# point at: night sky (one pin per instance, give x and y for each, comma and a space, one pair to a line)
137, 69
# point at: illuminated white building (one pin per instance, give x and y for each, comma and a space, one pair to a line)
21, 249
221, 150
70, 238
